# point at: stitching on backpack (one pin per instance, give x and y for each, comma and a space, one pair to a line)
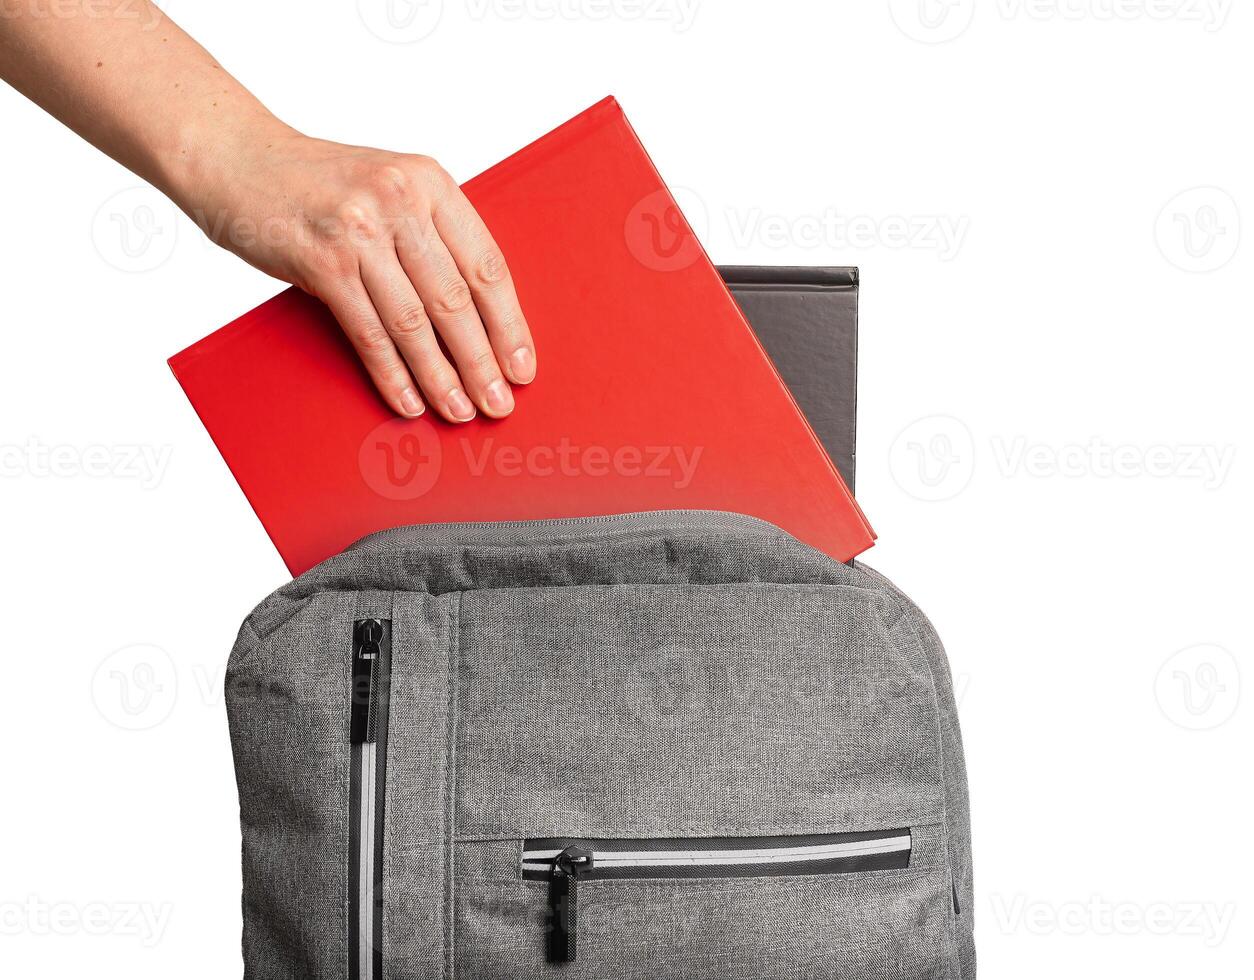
899, 600
395, 620
450, 783
346, 721
725, 886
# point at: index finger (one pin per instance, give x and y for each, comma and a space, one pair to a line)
482, 265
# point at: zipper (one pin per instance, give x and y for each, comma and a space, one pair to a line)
367, 735
564, 861
566, 869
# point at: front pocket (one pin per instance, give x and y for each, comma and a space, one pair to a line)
564, 862
368, 730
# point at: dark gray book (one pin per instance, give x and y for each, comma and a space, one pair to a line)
807, 319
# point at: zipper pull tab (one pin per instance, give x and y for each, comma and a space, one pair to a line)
367, 635
564, 901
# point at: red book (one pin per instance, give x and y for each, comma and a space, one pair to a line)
652, 391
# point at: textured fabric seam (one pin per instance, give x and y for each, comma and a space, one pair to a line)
723, 885
892, 592
387, 796
750, 584
940, 742
914, 865
450, 782
296, 595
952, 960
345, 720
264, 642
596, 536
747, 832
592, 530
251, 630
922, 819
753, 585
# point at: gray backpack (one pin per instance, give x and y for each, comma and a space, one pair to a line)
648, 747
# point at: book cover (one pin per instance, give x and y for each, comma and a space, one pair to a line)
807, 319
652, 393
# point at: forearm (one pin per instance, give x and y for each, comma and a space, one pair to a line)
121, 74
387, 240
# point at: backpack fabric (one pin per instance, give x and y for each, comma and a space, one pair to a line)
645, 747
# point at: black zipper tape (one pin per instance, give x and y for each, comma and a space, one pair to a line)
725, 857
564, 861
368, 727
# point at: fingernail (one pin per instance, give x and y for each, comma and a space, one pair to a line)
411, 404
499, 398
523, 365
459, 406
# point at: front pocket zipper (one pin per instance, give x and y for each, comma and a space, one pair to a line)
368, 732
565, 861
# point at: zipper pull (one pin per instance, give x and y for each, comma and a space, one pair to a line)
564, 901
367, 635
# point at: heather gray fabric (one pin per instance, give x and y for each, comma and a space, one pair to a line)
671, 675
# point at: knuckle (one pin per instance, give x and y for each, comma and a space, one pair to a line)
435, 375
430, 169
392, 180
436, 378
410, 321
490, 270
512, 325
483, 364
374, 341
453, 297
357, 219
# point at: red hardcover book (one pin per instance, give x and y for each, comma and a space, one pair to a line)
652, 391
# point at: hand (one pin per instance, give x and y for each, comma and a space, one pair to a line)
390, 243
387, 240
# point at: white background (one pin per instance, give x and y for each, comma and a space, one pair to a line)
1054, 434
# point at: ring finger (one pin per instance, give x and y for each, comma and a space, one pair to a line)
405, 318
451, 306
